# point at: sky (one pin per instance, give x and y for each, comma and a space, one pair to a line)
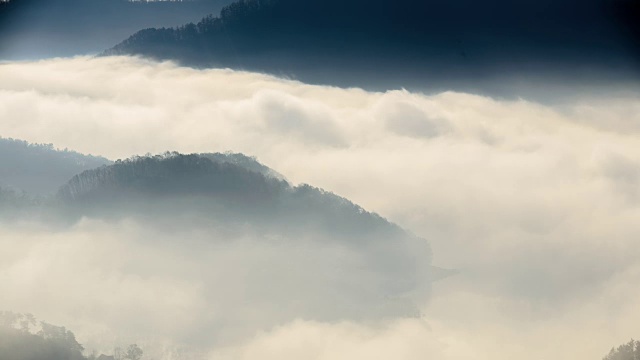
36, 29
537, 205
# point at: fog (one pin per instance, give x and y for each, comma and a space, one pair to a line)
122, 282
537, 205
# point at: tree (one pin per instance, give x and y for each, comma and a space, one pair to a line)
60, 335
19, 342
118, 354
628, 351
133, 352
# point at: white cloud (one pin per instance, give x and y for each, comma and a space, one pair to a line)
537, 205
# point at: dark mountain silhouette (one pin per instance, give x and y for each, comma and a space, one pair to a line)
46, 28
40, 169
358, 42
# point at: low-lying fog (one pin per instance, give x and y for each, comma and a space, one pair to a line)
537, 205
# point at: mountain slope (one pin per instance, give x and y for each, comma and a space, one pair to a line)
232, 187
260, 251
342, 42
375, 268
40, 169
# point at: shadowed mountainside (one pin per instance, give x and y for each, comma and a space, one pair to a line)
230, 188
408, 42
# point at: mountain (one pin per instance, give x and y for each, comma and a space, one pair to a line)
46, 28
229, 207
380, 269
405, 42
231, 196
40, 169
231, 188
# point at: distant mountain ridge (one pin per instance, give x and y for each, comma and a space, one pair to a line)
225, 187
231, 199
40, 169
229, 185
339, 42
221, 200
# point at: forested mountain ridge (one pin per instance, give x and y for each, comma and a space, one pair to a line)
229, 187
224, 187
318, 38
244, 161
209, 200
152, 174
40, 169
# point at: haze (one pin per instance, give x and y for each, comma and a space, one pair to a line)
319, 179
536, 205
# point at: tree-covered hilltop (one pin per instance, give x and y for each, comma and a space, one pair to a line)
212, 200
40, 169
173, 173
233, 199
247, 162
340, 39
209, 188
222, 188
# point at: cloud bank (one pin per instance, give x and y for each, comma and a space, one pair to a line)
185, 289
537, 205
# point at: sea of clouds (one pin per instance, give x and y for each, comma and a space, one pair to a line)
537, 205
